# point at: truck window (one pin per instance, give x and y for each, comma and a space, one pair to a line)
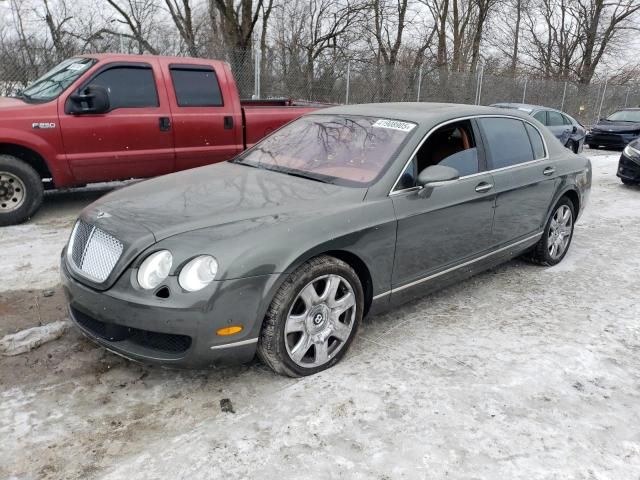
129, 87
196, 86
56, 80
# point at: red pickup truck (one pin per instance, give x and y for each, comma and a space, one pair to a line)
99, 118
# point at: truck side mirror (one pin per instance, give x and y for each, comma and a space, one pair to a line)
93, 99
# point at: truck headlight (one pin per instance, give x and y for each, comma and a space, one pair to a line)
631, 152
198, 273
155, 269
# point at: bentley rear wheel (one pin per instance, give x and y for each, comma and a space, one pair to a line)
555, 241
313, 318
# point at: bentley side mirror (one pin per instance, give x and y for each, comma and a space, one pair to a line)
432, 176
93, 99
437, 174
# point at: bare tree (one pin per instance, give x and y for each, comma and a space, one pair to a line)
577, 35
137, 16
390, 21
238, 19
181, 12
602, 23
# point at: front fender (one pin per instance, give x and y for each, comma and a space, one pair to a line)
46, 143
279, 245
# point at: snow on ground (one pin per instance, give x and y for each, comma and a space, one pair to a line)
30, 251
521, 372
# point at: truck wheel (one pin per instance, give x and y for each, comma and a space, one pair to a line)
312, 319
21, 190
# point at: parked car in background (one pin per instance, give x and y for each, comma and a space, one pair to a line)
98, 118
629, 164
617, 130
345, 211
564, 127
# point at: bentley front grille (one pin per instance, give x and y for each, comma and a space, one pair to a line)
93, 252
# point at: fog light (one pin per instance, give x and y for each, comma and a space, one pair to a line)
226, 331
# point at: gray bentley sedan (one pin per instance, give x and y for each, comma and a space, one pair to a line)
344, 212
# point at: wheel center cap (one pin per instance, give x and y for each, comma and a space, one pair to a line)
318, 317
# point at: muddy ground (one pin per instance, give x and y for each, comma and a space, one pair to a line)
521, 372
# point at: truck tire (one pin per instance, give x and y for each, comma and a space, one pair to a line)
21, 191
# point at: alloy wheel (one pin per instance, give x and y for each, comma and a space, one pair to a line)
560, 231
320, 321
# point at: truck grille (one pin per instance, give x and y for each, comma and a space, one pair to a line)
93, 252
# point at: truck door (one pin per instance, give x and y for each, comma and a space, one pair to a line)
205, 128
133, 138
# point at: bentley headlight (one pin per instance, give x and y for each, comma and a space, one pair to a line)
155, 269
631, 152
198, 273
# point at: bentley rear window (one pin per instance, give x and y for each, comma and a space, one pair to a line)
351, 151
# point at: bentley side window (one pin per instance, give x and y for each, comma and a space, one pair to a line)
452, 145
536, 141
508, 141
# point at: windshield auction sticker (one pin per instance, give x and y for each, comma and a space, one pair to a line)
74, 67
395, 125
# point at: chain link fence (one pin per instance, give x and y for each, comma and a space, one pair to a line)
273, 73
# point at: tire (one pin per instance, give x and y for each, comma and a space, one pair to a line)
593, 146
21, 191
573, 146
631, 183
312, 321
543, 252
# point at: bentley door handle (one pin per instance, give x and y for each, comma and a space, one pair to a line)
549, 171
483, 187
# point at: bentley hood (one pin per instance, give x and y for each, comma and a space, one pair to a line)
211, 196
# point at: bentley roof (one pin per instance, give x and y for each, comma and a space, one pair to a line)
418, 112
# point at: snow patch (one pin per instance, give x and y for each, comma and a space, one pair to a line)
26, 340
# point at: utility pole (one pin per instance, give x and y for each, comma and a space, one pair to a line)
564, 94
604, 92
346, 100
479, 86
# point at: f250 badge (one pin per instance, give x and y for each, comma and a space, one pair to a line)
39, 125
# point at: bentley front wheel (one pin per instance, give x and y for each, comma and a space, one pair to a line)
313, 318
